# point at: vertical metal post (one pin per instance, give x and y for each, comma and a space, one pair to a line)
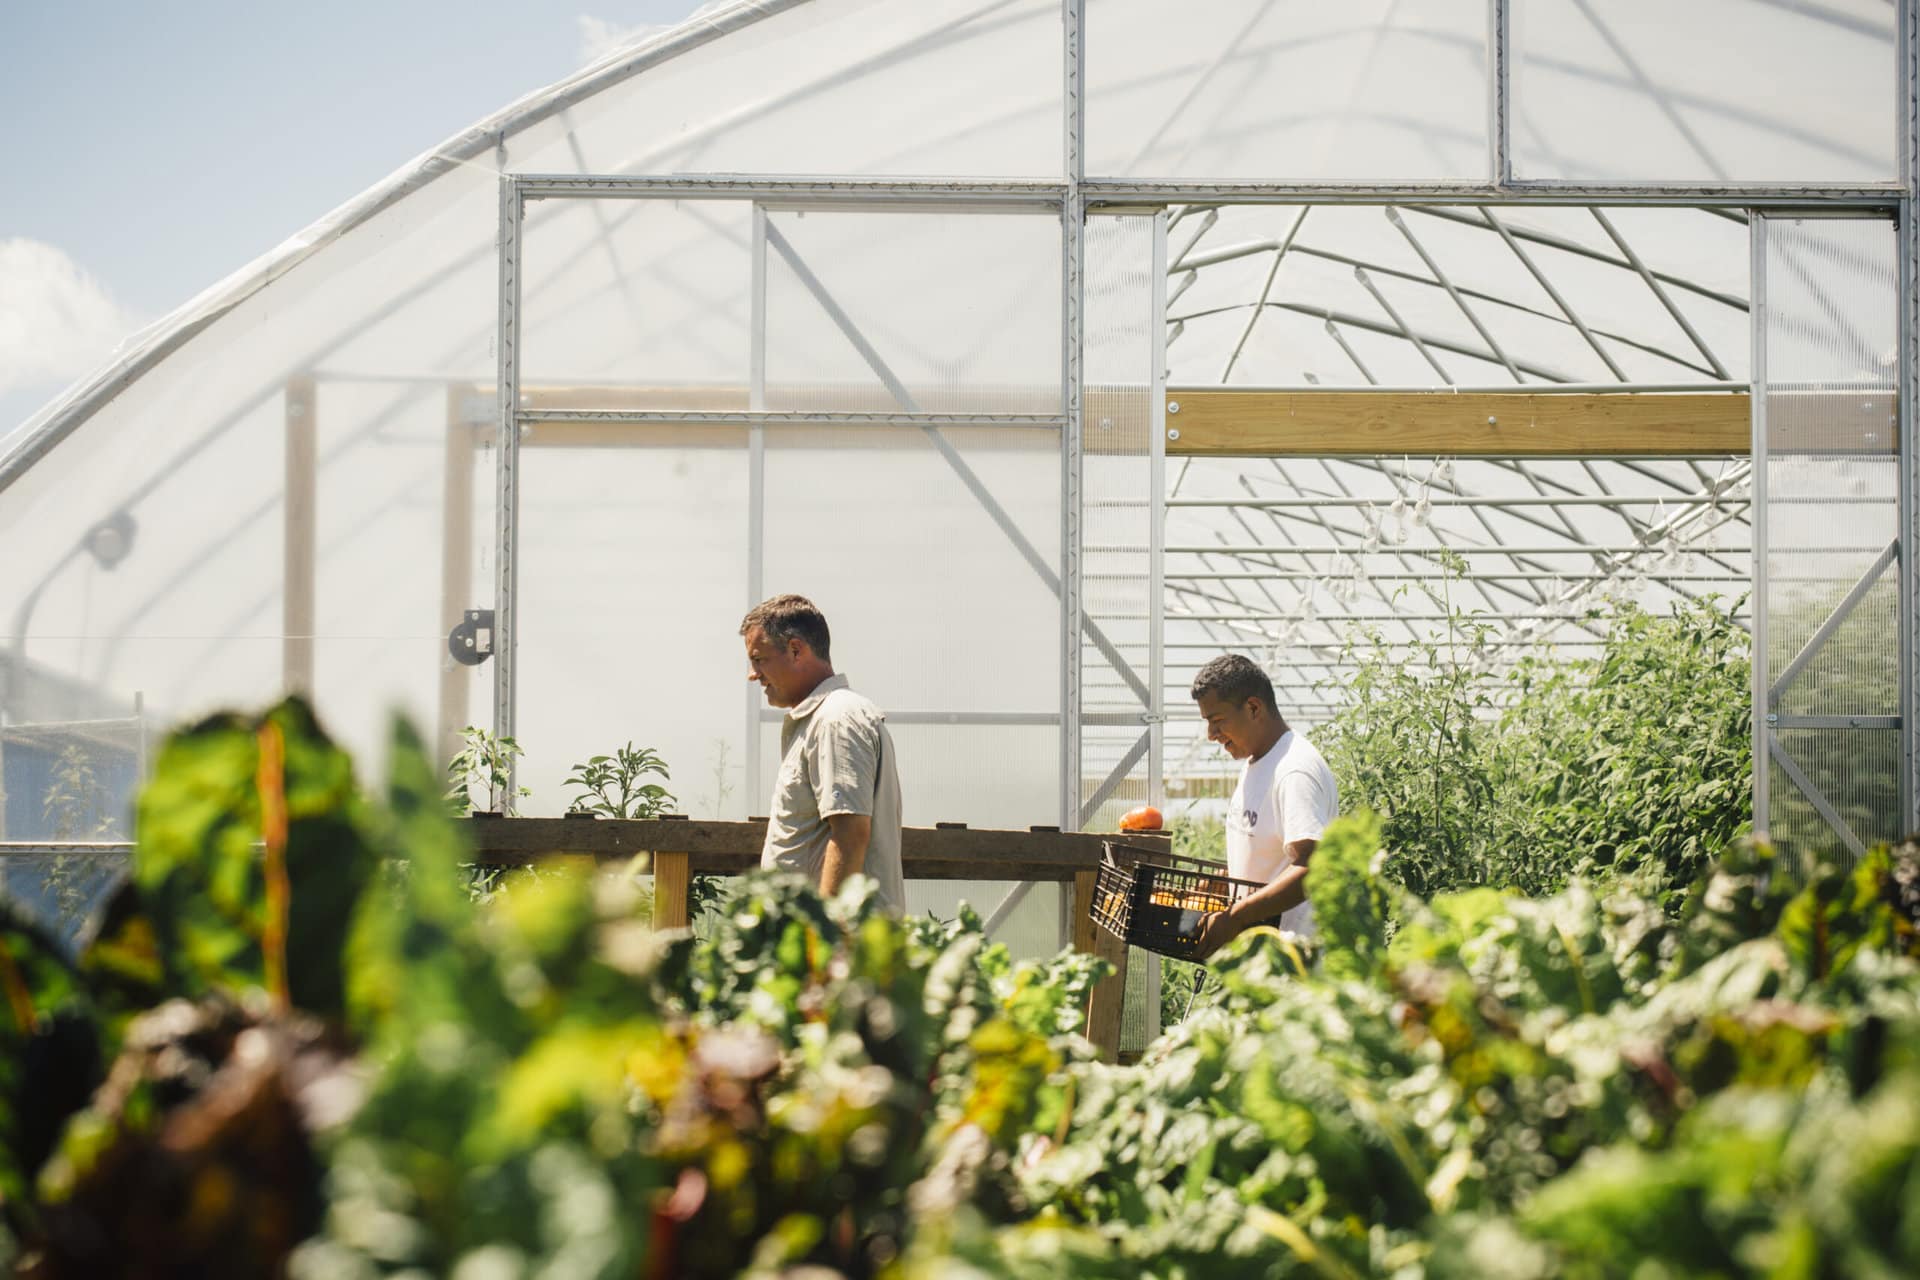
456, 566
1073, 247
756, 481
1762, 736
507, 470
1909, 389
298, 551
1157, 568
1157, 526
1499, 93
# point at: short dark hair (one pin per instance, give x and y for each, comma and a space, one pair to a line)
1234, 678
791, 617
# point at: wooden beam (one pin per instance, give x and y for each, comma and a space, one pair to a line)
1216, 422
731, 848
1239, 422
297, 589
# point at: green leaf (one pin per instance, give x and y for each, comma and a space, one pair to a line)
1350, 907
50, 1058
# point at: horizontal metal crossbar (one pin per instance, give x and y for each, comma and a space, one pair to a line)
1355, 549
1123, 719
30, 849
810, 190
1567, 576
1109, 191
811, 418
1327, 619
1874, 196
1499, 389
1567, 500
1833, 722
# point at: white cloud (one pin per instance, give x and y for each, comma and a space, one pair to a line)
56, 321
600, 36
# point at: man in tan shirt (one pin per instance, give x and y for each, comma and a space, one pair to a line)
836, 798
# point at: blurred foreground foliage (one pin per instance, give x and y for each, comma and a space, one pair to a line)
329, 1059
1578, 1085
332, 1060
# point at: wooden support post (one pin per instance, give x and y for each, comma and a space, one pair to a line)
297, 585
1105, 1003
671, 880
456, 566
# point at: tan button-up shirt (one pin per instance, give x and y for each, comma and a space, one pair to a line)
836, 757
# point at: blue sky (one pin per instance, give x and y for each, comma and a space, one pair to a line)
150, 148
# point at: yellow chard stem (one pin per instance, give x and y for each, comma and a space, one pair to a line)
271, 780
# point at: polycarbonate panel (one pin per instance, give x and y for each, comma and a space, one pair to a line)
950, 87
632, 581
636, 304
61, 891
913, 311
1707, 91
1119, 514
151, 558
1287, 90
1829, 344
935, 607
925, 550
1327, 295
63, 782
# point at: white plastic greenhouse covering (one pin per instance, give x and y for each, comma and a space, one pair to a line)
834, 323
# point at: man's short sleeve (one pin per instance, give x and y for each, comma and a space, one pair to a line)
846, 764
1305, 806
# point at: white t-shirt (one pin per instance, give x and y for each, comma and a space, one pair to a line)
1286, 795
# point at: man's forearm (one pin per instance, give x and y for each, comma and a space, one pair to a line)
846, 854
1269, 902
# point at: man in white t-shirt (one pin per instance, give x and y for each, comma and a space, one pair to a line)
1285, 799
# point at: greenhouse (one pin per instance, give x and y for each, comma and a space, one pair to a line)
1053, 349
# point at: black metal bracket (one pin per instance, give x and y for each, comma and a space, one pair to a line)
471, 641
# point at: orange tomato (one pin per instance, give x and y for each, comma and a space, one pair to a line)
1145, 818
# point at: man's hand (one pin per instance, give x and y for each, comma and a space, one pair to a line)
1216, 931
847, 840
1267, 903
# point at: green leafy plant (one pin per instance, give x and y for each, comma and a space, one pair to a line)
318, 1068
77, 807
275, 1060
1637, 760
722, 775
1529, 1087
613, 787
484, 765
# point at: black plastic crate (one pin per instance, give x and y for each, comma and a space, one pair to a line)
1157, 901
